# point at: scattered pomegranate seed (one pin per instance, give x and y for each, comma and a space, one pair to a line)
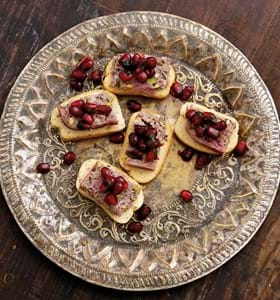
176, 89
137, 60
133, 139
138, 70
200, 131
133, 105
125, 76
190, 114
150, 73
116, 138
125, 60
187, 92
103, 188
135, 153
105, 172
153, 143
208, 116
143, 212
186, 154
87, 118
197, 120
76, 85
151, 155
77, 103
43, 168
140, 129
150, 62
103, 109
186, 195
69, 158
141, 77
111, 199
110, 180
220, 125
212, 132
201, 161
83, 126
151, 133
75, 111
89, 107
123, 181
85, 63
241, 148
117, 188
96, 76
141, 145
79, 75
134, 227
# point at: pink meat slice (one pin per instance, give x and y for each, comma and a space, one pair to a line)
148, 165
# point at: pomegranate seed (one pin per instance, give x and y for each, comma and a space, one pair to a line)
176, 89
190, 114
133, 139
85, 63
212, 132
143, 212
77, 103
201, 161
150, 73
141, 145
153, 143
111, 199
141, 77
137, 60
96, 76
200, 131
43, 168
138, 70
151, 133
116, 138
187, 92
89, 107
123, 181
83, 126
76, 85
125, 60
241, 148
186, 154
134, 227
75, 111
105, 172
79, 75
109, 180
117, 188
87, 118
125, 76
140, 129
69, 158
135, 153
186, 195
208, 116
151, 155
133, 105
103, 109
197, 120
103, 188
220, 125
150, 62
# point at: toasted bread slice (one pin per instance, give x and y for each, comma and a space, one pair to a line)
139, 174
124, 217
68, 134
184, 136
129, 89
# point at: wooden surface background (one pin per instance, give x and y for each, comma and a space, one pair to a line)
251, 25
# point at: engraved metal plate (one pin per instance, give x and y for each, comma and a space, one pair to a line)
180, 241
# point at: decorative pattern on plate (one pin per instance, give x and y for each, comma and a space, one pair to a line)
201, 236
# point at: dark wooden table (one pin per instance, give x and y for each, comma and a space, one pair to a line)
254, 27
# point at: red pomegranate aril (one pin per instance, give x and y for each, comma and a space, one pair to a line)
76, 85
96, 76
135, 154
43, 168
153, 143
133, 105
140, 129
186, 154
105, 172
87, 118
141, 145
137, 60
241, 148
150, 62
125, 60
138, 70
176, 89
69, 158
133, 139
151, 133
186, 195
151, 156
83, 125
77, 103
212, 132
117, 188
141, 77
79, 75
111, 199
123, 181
150, 73
208, 116
103, 188
125, 76
75, 111
190, 114
220, 125
89, 107
143, 212
103, 109
187, 92
134, 227
197, 120
86, 63
109, 181
201, 161
200, 131
116, 138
